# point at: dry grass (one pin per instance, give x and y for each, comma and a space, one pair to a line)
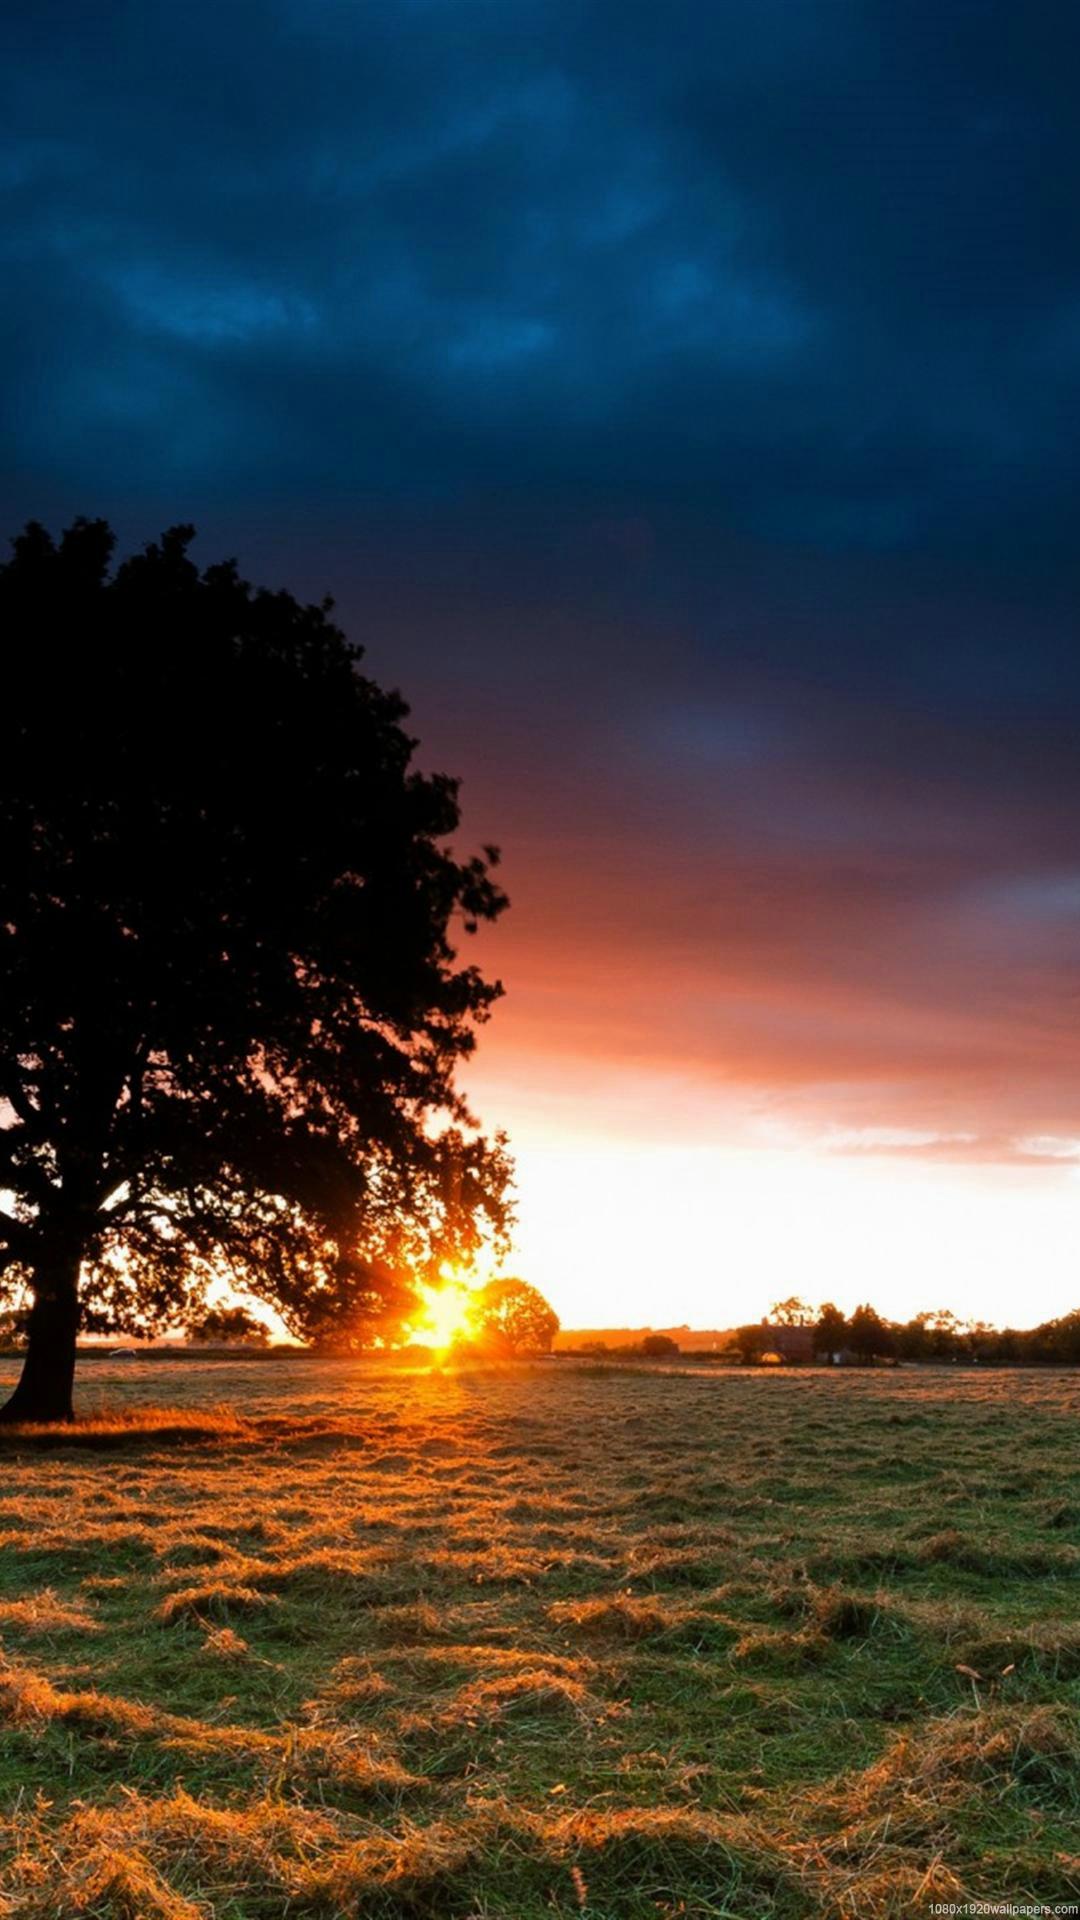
43, 1614
557, 1641
618, 1617
219, 1598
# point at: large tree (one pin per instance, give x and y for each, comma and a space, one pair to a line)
231, 1008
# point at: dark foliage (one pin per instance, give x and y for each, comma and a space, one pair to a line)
830, 1332
868, 1335
940, 1336
751, 1341
228, 1326
230, 1003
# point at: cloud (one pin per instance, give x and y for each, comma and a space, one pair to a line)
680, 401
804, 265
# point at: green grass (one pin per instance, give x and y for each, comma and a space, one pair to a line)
544, 1641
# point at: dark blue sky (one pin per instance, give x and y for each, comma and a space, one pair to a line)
682, 401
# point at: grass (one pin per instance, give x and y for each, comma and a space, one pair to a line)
318, 1640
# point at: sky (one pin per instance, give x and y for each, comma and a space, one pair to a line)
681, 404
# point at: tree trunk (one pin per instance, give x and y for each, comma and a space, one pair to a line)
45, 1384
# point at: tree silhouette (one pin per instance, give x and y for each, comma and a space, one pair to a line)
792, 1312
228, 1326
868, 1335
830, 1331
511, 1318
230, 1004
658, 1346
751, 1341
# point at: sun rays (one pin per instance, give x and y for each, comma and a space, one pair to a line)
448, 1315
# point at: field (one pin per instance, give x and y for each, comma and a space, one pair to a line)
561, 1640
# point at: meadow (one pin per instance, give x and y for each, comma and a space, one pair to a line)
313, 1639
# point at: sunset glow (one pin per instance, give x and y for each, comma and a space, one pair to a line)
619, 1234
447, 1315
646, 1200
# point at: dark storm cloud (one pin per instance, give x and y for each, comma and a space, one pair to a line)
804, 269
683, 400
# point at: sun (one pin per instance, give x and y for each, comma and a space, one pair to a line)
447, 1315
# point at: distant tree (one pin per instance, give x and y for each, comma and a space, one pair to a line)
751, 1341
913, 1340
1062, 1337
792, 1312
933, 1335
944, 1332
830, 1331
229, 1326
658, 1346
230, 1003
1006, 1347
868, 1336
13, 1329
977, 1340
511, 1320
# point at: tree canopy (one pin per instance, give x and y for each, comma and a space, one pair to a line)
868, 1334
792, 1312
512, 1319
830, 1331
231, 1001
228, 1326
658, 1346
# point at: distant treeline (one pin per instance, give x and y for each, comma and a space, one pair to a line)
795, 1334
